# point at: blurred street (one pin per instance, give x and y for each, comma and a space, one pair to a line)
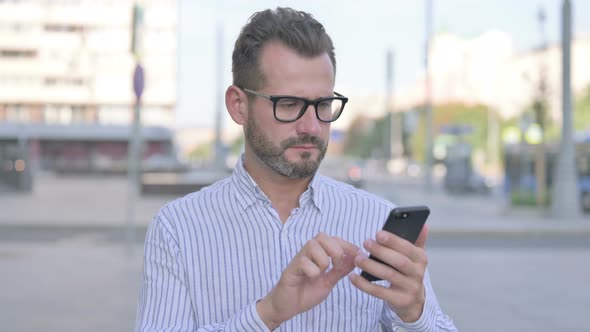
66, 266
491, 98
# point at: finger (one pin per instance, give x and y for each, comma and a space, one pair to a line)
389, 256
331, 247
396, 299
421, 241
382, 271
341, 270
308, 268
371, 288
401, 245
346, 264
349, 248
316, 253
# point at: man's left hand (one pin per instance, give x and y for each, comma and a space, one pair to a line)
405, 294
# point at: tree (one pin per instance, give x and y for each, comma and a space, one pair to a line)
582, 111
364, 137
474, 116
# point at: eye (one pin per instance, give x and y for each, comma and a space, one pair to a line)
289, 104
326, 104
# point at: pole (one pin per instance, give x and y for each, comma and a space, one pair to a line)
540, 113
395, 125
388, 132
134, 146
219, 150
134, 163
565, 198
428, 101
133, 170
493, 139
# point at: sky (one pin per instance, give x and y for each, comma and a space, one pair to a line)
362, 32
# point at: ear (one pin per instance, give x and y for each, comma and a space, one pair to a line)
236, 103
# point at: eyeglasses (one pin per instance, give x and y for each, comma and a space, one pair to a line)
291, 108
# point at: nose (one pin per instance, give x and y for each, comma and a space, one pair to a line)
309, 123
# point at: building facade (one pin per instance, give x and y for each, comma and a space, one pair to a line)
70, 61
66, 91
488, 70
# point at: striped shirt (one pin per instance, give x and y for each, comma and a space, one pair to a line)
210, 255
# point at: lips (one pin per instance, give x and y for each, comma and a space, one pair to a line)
304, 142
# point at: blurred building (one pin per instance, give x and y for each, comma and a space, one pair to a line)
488, 70
67, 64
69, 61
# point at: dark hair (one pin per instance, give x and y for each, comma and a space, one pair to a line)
295, 29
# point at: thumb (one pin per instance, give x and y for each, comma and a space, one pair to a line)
342, 269
421, 241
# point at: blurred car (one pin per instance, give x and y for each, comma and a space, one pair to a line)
355, 176
344, 169
463, 179
584, 186
162, 163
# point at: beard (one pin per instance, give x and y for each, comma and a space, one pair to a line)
274, 156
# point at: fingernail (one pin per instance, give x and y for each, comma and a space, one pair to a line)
381, 236
368, 243
360, 256
358, 259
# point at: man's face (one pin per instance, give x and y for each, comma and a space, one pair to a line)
303, 165
293, 149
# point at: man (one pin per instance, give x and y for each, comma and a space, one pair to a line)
269, 247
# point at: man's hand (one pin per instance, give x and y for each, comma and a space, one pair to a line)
306, 281
406, 294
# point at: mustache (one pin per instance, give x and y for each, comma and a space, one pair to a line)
304, 139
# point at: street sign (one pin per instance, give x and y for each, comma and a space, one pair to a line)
337, 135
138, 81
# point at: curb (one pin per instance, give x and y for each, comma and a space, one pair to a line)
516, 232
450, 231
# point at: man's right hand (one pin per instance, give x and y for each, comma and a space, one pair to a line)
306, 281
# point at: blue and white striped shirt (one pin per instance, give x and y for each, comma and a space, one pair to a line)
210, 255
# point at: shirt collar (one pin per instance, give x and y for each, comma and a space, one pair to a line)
248, 191
315, 191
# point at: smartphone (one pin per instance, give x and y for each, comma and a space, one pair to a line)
405, 222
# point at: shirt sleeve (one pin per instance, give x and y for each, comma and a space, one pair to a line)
165, 302
432, 319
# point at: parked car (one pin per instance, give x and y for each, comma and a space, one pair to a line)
343, 169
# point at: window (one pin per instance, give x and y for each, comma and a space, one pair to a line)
14, 113
14, 53
63, 81
57, 27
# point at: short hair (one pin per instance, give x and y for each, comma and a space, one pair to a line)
297, 30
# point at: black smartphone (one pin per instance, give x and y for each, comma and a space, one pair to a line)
405, 222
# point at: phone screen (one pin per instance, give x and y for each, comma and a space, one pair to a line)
405, 222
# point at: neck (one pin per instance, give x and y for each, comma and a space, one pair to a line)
273, 185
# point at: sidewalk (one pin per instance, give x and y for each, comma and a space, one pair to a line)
477, 213
101, 203
77, 201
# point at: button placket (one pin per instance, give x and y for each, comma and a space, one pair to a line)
285, 246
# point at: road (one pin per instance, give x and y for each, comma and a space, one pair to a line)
83, 283
503, 289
